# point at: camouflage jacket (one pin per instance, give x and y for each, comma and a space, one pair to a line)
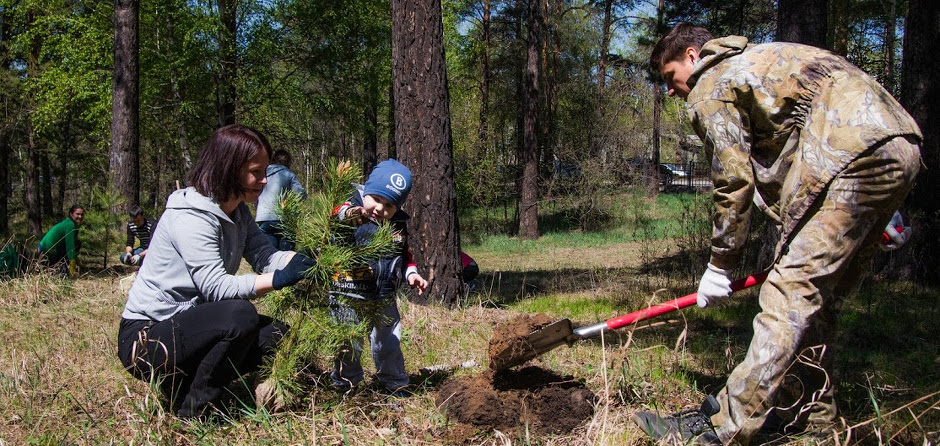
779, 121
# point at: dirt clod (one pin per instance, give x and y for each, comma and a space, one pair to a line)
512, 399
509, 338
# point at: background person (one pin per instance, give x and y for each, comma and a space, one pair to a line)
60, 246
280, 178
140, 227
188, 321
828, 154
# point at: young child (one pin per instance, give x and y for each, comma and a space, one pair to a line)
379, 200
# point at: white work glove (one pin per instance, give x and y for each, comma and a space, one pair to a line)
893, 237
715, 284
135, 260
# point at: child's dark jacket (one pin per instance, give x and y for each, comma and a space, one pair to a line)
382, 277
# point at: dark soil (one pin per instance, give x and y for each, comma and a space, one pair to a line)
509, 338
510, 400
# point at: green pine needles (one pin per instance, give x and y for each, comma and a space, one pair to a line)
315, 334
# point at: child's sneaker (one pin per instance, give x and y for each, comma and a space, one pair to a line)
693, 424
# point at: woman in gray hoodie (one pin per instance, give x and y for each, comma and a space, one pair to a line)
188, 322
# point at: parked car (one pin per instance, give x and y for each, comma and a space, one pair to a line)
670, 172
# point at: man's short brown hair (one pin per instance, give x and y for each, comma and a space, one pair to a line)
674, 43
215, 174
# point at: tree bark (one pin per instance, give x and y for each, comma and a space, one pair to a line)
529, 193
802, 21
370, 143
890, 31
6, 129
125, 109
228, 61
4, 180
424, 144
483, 129
920, 86
45, 185
33, 211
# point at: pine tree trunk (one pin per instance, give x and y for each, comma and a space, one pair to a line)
483, 129
920, 86
802, 21
45, 186
228, 61
33, 211
4, 180
423, 142
125, 133
529, 193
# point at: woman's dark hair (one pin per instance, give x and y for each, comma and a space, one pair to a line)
674, 43
74, 208
215, 174
281, 157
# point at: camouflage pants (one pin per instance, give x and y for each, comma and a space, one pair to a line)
788, 363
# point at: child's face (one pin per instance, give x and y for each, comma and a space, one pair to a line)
378, 207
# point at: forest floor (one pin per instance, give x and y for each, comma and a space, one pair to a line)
61, 382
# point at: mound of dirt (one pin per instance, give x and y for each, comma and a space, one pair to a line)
509, 339
509, 400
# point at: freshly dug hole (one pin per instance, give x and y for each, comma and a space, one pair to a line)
508, 400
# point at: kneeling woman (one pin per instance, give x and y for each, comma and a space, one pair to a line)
188, 323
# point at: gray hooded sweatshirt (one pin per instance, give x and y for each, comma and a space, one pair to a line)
194, 255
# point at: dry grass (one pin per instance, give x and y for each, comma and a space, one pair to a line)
61, 382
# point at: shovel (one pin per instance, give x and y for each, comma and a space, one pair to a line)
561, 331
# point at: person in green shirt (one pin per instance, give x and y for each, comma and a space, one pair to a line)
61, 242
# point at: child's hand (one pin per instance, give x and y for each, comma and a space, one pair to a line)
354, 215
416, 281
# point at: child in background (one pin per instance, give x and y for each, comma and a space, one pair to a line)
379, 200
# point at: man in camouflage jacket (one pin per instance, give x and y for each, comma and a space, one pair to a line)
827, 153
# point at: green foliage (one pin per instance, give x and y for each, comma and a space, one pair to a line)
315, 333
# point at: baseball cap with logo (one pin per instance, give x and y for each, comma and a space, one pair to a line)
391, 180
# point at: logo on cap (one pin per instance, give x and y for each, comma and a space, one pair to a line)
397, 181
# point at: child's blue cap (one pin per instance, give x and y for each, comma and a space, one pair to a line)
389, 179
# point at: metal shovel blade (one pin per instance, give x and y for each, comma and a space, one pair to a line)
536, 343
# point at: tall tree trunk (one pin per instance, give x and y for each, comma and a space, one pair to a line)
652, 168
62, 163
228, 61
45, 186
604, 51
424, 144
550, 140
33, 210
802, 21
370, 143
890, 30
124, 164
4, 178
920, 86
840, 26
483, 129
6, 128
529, 193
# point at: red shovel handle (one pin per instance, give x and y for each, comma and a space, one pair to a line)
678, 304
